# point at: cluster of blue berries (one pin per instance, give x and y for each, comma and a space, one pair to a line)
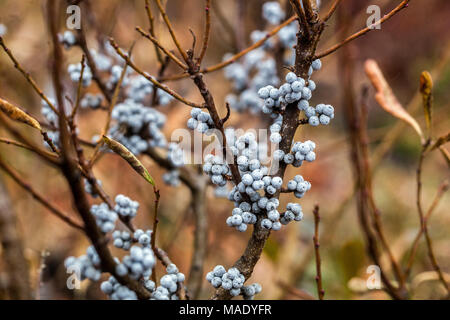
200, 120
257, 70
321, 114
143, 237
114, 78
175, 156
272, 12
74, 71
300, 152
103, 62
89, 189
138, 127
48, 113
86, 266
172, 178
232, 281
126, 207
115, 291
140, 89
217, 169
93, 101
169, 284
105, 218
122, 239
239, 218
275, 129
293, 213
295, 89
139, 263
67, 39
299, 186
52, 118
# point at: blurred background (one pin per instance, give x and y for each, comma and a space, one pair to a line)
414, 40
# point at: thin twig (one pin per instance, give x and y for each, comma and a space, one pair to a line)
36, 195
152, 79
331, 11
27, 76
150, 17
79, 88
237, 55
165, 260
320, 290
160, 46
169, 27
224, 23
112, 104
362, 32
92, 66
423, 223
227, 116
155, 225
441, 191
30, 148
207, 30
42, 153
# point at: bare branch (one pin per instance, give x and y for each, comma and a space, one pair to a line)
160, 46
320, 290
207, 30
362, 32
152, 79
36, 195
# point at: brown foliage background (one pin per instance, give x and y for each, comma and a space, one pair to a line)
413, 41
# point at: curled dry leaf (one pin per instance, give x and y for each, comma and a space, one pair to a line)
129, 157
386, 98
16, 114
426, 89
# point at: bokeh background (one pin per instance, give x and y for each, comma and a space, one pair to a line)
415, 40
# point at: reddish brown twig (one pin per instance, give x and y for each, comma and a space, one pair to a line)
155, 226
362, 32
441, 191
331, 10
92, 66
151, 22
32, 149
38, 197
152, 79
234, 58
423, 223
27, 76
368, 214
160, 46
320, 290
207, 31
170, 28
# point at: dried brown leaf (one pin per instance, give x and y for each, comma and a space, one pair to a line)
386, 98
16, 114
129, 157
